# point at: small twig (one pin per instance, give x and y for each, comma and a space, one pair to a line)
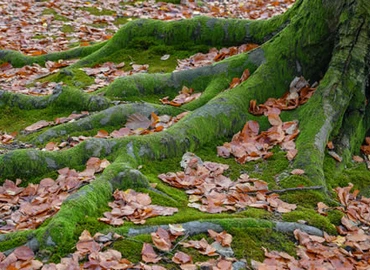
286, 190
134, 240
77, 187
186, 236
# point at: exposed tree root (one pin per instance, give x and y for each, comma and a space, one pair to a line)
343, 81
61, 97
298, 43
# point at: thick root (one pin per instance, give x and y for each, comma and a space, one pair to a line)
323, 115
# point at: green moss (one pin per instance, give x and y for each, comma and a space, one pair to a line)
92, 224
57, 16
256, 213
248, 242
296, 181
14, 240
67, 28
15, 119
147, 51
38, 36
119, 21
77, 213
305, 198
355, 173
335, 217
170, 1
131, 247
312, 217
98, 12
241, 223
75, 78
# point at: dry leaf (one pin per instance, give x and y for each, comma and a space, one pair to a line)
297, 172
181, 258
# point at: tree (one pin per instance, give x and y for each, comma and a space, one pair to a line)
326, 41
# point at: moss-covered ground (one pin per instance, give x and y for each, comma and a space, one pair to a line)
251, 228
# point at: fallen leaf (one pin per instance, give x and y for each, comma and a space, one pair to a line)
38, 125
335, 156
181, 258
165, 57
137, 121
148, 254
297, 172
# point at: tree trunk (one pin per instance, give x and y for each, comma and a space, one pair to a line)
322, 40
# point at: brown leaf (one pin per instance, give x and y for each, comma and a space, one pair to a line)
322, 208
122, 132
161, 239
176, 229
138, 121
291, 154
102, 134
38, 125
297, 172
357, 159
24, 253
274, 119
330, 145
245, 75
86, 244
223, 238
148, 254
181, 258
234, 82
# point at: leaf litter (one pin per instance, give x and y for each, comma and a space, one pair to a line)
186, 95
93, 252
212, 192
136, 124
135, 207
349, 250
249, 144
24, 208
36, 28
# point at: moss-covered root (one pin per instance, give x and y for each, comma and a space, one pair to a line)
196, 31
28, 164
62, 97
222, 116
114, 117
353, 130
141, 85
197, 227
18, 59
343, 83
89, 201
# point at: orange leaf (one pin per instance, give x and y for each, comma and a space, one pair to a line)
155, 118
234, 83
35, 53
158, 128
84, 43
102, 134
245, 75
330, 145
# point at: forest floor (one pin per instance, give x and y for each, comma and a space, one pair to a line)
329, 233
